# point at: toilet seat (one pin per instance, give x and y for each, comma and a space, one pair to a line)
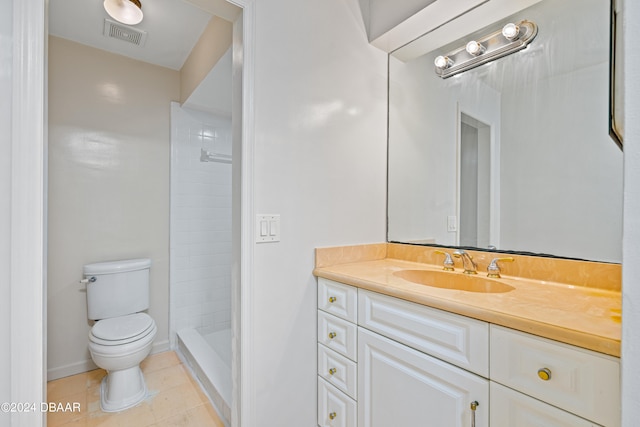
121, 330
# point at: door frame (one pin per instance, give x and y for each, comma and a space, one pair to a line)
28, 209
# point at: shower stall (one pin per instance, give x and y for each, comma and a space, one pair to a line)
200, 247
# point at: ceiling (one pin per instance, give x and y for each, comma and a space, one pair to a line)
173, 27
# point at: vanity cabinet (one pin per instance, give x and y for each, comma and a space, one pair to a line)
383, 361
337, 354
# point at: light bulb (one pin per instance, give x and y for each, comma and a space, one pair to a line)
443, 62
511, 31
474, 48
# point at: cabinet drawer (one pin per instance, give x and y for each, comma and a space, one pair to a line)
338, 334
456, 339
510, 408
583, 382
338, 370
335, 409
338, 299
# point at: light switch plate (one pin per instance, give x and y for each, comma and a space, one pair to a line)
452, 223
267, 228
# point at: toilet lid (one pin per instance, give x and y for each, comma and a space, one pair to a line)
119, 330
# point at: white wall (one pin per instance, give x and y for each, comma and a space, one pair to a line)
200, 266
109, 151
631, 240
213, 94
320, 126
6, 64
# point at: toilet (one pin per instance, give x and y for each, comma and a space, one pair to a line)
117, 295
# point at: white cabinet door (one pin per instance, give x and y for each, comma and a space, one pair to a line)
401, 387
512, 409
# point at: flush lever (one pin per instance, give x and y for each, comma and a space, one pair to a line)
89, 280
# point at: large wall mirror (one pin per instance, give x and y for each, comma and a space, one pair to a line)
514, 154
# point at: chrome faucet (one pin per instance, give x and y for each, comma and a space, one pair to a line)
469, 266
447, 264
493, 270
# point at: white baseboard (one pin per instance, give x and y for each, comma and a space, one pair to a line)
88, 365
71, 369
160, 346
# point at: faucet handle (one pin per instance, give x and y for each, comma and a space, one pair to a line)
493, 270
447, 264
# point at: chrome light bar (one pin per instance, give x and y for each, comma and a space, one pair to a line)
512, 38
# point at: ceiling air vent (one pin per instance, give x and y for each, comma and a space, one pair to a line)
118, 31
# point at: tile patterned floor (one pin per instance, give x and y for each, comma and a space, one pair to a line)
175, 399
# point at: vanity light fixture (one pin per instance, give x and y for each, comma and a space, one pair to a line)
511, 31
124, 11
443, 62
511, 38
474, 48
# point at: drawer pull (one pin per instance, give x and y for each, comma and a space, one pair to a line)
332, 335
333, 415
332, 371
474, 406
332, 299
544, 374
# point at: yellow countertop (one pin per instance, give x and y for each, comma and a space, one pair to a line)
587, 317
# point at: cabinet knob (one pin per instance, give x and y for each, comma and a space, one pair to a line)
332, 335
544, 374
332, 371
332, 299
332, 415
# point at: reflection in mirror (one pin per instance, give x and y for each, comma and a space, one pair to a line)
474, 178
515, 153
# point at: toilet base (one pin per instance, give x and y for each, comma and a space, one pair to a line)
122, 390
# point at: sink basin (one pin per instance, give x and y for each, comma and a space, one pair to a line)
454, 280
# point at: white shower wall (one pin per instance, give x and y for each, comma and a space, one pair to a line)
200, 236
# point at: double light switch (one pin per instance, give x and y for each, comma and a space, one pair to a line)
267, 228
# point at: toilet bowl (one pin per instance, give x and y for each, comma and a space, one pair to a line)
118, 345
122, 336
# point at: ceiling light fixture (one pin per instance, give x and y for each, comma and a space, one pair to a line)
124, 11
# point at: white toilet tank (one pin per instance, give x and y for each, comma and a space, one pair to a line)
119, 288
